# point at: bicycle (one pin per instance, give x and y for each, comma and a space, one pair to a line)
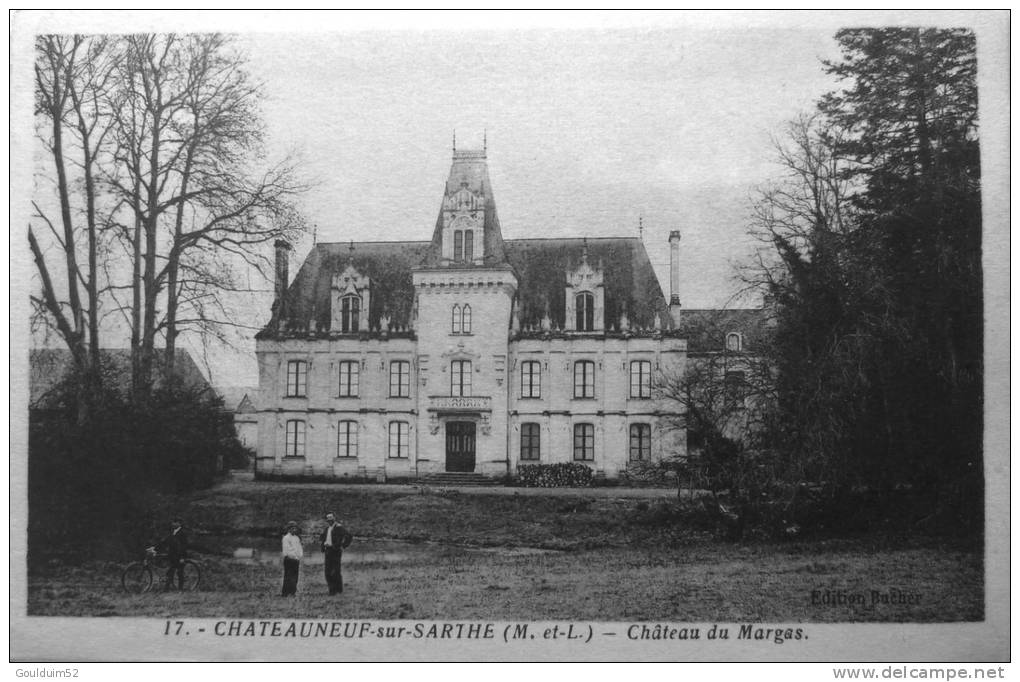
138, 577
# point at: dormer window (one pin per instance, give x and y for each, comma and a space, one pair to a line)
585, 297
350, 313
584, 306
734, 342
350, 301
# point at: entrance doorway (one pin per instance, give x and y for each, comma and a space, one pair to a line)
460, 446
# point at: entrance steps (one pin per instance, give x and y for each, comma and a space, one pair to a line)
456, 478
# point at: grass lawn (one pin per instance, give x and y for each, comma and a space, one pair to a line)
499, 556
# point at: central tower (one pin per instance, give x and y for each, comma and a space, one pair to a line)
464, 291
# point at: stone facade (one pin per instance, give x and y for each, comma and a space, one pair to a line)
395, 360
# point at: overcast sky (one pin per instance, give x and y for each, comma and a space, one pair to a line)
587, 130
665, 116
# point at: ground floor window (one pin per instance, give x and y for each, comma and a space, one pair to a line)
399, 440
347, 439
584, 442
295, 438
640, 442
530, 442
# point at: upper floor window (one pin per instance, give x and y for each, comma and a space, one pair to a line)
295, 446
640, 442
734, 342
584, 308
400, 379
297, 378
463, 245
349, 371
460, 378
584, 379
350, 312
530, 442
461, 323
641, 379
584, 442
347, 439
399, 440
531, 379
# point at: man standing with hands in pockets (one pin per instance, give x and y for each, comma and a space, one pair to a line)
333, 541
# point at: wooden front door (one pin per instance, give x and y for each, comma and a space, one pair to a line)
460, 446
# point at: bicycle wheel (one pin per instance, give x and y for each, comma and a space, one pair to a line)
192, 575
136, 578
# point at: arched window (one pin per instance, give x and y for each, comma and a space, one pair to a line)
584, 304
584, 379
465, 326
640, 442
734, 342
456, 319
295, 445
458, 245
469, 245
531, 379
350, 312
460, 378
347, 439
584, 442
531, 436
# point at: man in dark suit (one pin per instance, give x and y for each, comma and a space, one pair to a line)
176, 547
333, 541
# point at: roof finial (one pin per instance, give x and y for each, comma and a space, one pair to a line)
485, 140
351, 247
315, 232
584, 252
641, 227
455, 139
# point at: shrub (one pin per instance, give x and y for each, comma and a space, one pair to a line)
563, 475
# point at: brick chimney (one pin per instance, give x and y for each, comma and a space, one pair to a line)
674, 274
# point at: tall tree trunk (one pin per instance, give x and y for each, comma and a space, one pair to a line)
136, 301
150, 290
173, 268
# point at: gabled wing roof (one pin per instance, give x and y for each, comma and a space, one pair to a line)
48, 367
630, 282
387, 264
540, 264
706, 329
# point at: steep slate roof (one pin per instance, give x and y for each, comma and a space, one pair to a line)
387, 264
469, 169
706, 330
630, 282
48, 367
540, 264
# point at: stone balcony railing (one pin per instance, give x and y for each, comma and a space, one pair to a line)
475, 403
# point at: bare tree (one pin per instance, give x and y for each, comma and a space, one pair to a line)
73, 79
170, 140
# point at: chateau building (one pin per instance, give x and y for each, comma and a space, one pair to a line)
471, 353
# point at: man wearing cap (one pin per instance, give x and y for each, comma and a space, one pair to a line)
176, 547
333, 541
292, 553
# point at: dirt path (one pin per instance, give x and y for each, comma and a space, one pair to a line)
245, 481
